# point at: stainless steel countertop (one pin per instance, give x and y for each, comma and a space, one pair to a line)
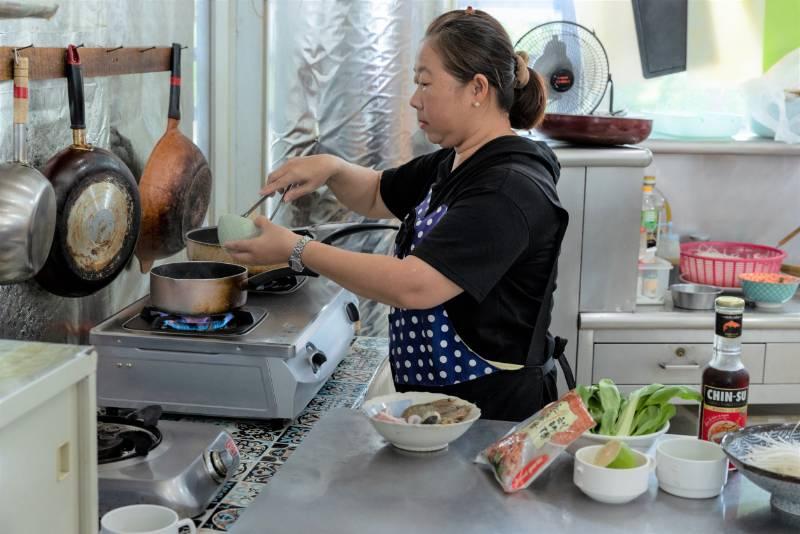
667, 317
346, 479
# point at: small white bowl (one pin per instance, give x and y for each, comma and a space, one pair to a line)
641, 443
611, 486
691, 468
235, 228
419, 437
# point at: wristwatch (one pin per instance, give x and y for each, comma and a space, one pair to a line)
296, 258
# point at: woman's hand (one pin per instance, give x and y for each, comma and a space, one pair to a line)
274, 245
303, 174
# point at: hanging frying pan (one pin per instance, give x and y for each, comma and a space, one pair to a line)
98, 210
27, 200
175, 186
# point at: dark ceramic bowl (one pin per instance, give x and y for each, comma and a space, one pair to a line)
595, 129
785, 489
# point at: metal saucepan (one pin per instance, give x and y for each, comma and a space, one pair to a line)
595, 129
175, 185
202, 244
98, 207
212, 287
198, 287
27, 200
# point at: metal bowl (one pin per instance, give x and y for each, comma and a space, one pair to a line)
785, 489
694, 296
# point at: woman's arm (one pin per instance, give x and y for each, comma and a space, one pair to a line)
409, 283
356, 187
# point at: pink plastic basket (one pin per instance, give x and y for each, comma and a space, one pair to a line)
701, 264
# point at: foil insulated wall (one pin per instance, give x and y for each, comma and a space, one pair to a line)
126, 114
340, 77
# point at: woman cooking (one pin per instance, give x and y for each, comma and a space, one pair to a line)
471, 279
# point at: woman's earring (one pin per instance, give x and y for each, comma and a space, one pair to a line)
476, 104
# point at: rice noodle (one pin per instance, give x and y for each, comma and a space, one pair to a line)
777, 455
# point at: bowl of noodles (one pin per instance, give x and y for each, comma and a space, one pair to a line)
769, 456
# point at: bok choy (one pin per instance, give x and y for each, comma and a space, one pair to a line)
645, 411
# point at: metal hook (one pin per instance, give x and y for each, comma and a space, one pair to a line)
79, 46
146, 49
114, 49
16, 52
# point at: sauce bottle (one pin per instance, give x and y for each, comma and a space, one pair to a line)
725, 380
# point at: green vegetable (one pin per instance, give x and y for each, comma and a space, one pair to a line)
645, 411
610, 400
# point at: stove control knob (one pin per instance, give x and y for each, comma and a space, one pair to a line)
316, 357
222, 462
352, 312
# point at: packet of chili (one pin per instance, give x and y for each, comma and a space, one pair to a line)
523, 454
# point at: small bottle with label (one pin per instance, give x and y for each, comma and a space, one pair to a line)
725, 379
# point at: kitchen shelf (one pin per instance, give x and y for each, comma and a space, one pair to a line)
48, 63
748, 147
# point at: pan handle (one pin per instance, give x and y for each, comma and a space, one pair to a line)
349, 229
175, 83
356, 228
77, 113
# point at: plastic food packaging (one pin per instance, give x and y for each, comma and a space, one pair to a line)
528, 449
773, 100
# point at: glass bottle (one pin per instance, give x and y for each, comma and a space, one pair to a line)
726, 381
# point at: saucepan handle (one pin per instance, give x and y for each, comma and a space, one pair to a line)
357, 228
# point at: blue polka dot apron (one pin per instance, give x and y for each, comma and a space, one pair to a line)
424, 348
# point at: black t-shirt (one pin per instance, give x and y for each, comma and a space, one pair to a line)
497, 240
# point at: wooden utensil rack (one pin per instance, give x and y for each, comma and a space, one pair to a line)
48, 63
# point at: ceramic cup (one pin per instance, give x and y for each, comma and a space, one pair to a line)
691, 468
144, 519
612, 486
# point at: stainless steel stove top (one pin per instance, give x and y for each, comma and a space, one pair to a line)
271, 371
287, 319
184, 472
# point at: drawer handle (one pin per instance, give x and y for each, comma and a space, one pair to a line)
679, 366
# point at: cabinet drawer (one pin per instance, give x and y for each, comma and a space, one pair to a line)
782, 364
645, 363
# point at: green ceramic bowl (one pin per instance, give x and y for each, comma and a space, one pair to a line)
236, 228
769, 290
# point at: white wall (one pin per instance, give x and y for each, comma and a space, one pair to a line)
733, 198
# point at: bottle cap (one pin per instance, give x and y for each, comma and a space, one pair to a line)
649, 180
729, 302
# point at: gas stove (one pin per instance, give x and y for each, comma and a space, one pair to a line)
270, 369
181, 465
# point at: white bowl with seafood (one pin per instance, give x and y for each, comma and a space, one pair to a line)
436, 420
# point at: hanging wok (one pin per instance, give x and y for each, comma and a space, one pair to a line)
97, 203
175, 185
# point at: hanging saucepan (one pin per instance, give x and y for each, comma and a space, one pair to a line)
595, 129
27, 200
211, 287
98, 207
202, 244
175, 185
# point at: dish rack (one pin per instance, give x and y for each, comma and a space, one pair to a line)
719, 263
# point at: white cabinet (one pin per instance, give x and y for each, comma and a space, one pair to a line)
48, 438
660, 344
